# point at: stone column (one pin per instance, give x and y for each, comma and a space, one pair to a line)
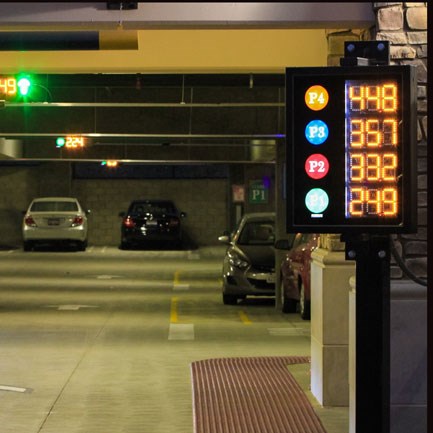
330, 274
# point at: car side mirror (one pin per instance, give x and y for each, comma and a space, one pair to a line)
225, 239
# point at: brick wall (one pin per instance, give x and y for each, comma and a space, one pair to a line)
405, 26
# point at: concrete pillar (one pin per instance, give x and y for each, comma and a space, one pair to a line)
330, 274
408, 357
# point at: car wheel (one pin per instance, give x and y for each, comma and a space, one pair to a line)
230, 299
28, 246
288, 305
304, 304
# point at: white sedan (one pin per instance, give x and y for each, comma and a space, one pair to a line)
54, 220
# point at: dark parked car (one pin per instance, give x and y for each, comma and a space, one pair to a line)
295, 274
249, 263
151, 222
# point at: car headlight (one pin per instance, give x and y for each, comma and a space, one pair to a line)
236, 261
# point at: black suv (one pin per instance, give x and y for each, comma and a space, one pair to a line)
151, 222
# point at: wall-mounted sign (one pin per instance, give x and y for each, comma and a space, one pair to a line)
11, 86
238, 193
351, 142
71, 142
258, 192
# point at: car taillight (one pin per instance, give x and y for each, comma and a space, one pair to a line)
128, 222
29, 221
77, 221
173, 222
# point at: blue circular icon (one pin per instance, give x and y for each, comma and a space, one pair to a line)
316, 132
316, 200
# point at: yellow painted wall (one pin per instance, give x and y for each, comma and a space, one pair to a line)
189, 50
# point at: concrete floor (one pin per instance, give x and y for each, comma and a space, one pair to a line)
102, 341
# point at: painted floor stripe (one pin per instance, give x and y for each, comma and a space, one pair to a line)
108, 277
245, 319
193, 256
289, 332
70, 307
180, 286
179, 331
12, 388
176, 278
173, 310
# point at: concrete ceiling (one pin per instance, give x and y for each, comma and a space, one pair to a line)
95, 15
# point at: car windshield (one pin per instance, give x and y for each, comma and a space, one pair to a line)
153, 208
257, 233
57, 206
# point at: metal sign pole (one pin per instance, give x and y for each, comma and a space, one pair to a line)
373, 285
372, 256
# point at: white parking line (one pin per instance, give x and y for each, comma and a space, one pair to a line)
289, 332
108, 277
193, 255
180, 286
12, 388
70, 307
179, 331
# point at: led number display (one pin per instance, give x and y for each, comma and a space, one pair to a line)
74, 142
351, 149
373, 148
71, 142
8, 86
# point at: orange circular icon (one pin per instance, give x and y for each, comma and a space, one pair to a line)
316, 98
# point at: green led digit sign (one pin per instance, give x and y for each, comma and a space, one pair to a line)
351, 136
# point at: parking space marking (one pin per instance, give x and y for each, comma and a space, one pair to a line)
13, 388
179, 331
193, 255
289, 332
177, 285
173, 310
108, 277
176, 277
244, 318
181, 286
70, 307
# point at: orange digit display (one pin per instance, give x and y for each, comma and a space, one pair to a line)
372, 149
8, 86
74, 142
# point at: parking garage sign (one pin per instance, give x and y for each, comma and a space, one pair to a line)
351, 136
258, 193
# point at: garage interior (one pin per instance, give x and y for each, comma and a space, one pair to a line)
185, 137
209, 118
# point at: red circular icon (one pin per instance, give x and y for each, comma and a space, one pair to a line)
317, 166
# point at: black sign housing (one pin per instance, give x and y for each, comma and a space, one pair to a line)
351, 149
